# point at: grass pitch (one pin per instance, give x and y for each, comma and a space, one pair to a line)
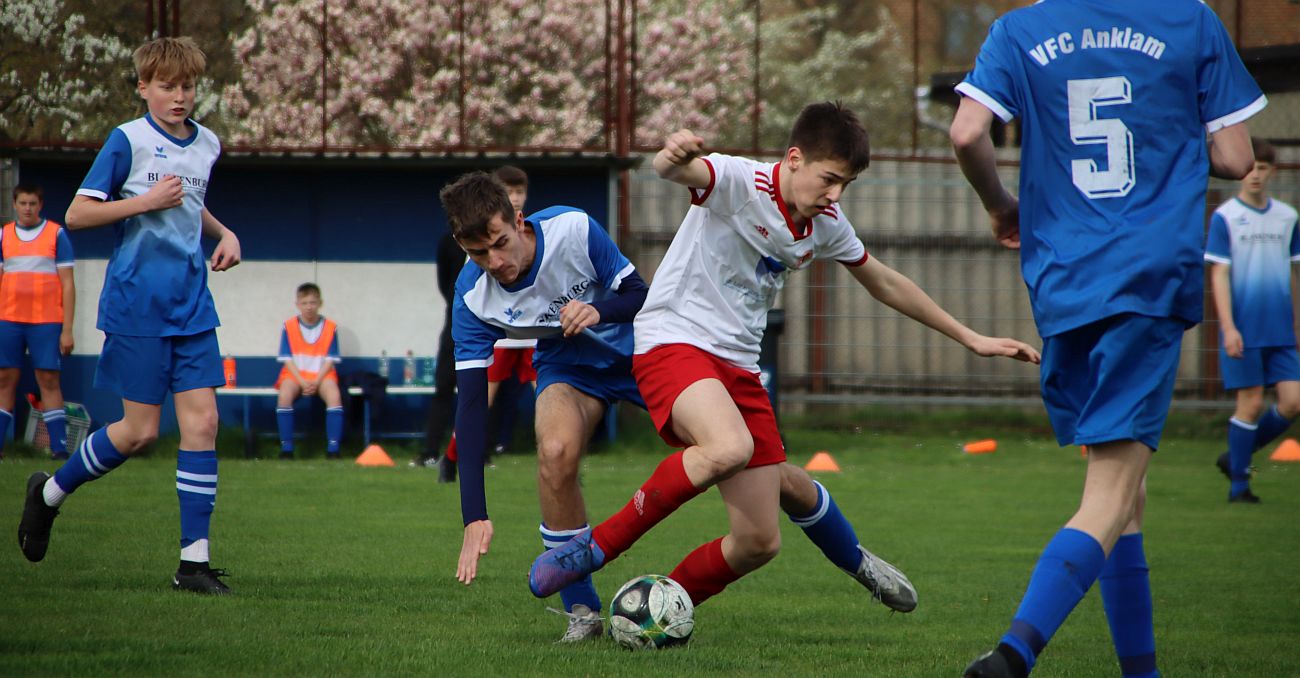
344, 570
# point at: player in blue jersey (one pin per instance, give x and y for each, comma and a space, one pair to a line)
1115, 102
1251, 246
149, 181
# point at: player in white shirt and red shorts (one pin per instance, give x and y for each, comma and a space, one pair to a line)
698, 335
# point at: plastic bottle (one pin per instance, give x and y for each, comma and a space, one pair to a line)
408, 368
383, 364
228, 367
430, 367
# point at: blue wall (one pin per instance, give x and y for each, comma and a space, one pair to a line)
347, 211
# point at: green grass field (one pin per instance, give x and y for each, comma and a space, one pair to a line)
344, 570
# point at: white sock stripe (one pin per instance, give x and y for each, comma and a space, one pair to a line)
548, 533
1237, 422
89, 458
334, 409
185, 487
278, 410
51, 415
200, 477
7, 413
825, 496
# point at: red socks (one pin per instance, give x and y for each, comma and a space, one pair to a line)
451, 448
666, 490
704, 573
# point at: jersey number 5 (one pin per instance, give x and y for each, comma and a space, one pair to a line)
1085, 97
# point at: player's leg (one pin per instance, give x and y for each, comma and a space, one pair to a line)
1243, 429
443, 404
1282, 369
196, 372
47, 361
1107, 385
566, 419
133, 367
333, 397
13, 346
289, 392
1126, 596
810, 506
752, 503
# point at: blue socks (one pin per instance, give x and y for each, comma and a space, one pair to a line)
6, 421
94, 458
581, 592
1126, 595
1269, 427
333, 428
831, 532
56, 424
196, 488
1065, 571
1241, 444
284, 420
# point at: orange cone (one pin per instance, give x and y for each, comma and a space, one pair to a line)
822, 461
1083, 450
374, 456
981, 447
1289, 450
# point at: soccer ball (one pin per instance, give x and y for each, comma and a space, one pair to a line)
650, 612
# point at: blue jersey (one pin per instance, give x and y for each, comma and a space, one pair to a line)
1115, 100
574, 259
1259, 245
156, 284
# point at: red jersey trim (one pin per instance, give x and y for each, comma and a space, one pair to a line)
698, 196
854, 264
780, 204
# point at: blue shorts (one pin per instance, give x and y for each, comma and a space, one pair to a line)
610, 385
1112, 380
42, 339
145, 369
1259, 367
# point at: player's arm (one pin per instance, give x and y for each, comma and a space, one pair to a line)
679, 160
471, 441
69, 291
898, 292
1221, 288
89, 212
974, 148
1231, 156
226, 255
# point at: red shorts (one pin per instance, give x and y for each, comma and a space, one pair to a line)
666, 371
512, 361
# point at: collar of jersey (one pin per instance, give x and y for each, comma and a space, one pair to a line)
539, 249
29, 229
780, 204
1254, 209
319, 321
179, 142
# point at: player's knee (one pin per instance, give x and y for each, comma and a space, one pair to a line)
1250, 405
761, 548
556, 462
729, 456
1289, 406
136, 439
201, 425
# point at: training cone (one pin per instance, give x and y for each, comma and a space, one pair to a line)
981, 447
1289, 450
1083, 450
822, 461
374, 456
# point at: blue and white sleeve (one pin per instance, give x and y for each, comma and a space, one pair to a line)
334, 355
472, 337
610, 264
1218, 247
110, 169
63, 250
991, 82
286, 354
1225, 90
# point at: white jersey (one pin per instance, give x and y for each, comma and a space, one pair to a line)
729, 260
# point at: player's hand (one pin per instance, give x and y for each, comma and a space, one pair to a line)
1006, 224
166, 193
310, 388
478, 537
577, 316
988, 347
683, 146
65, 342
1233, 344
226, 254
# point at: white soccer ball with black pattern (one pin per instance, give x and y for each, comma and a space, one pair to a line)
650, 612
